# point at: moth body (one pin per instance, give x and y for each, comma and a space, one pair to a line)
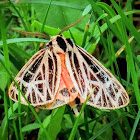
63, 72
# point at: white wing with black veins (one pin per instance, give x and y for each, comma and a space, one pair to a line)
38, 79
87, 74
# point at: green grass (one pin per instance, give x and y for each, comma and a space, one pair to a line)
105, 29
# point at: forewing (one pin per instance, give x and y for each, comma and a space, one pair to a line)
38, 79
89, 74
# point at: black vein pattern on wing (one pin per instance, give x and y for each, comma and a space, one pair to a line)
74, 66
89, 74
107, 93
38, 79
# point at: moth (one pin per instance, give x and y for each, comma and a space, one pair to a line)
63, 73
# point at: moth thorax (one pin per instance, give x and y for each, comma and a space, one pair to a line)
59, 44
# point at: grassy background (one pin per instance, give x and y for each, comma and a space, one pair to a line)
111, 25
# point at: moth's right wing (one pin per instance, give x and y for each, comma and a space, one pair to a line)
89, 75
38, 79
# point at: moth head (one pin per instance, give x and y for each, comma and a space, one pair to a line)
60, 44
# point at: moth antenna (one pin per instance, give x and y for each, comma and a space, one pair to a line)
4, 2
32, 33
17, 1
71, 25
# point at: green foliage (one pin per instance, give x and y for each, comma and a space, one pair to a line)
105, 29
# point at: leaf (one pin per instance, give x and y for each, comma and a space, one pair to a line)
52, 124
87, 10
54, 31
15, 115
55, 122
9, 41
4, 124
64, 12
30, 127
106, 127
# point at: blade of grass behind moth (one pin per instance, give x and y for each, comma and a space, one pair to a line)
16, 40
95, 23
45, 19
128, 49
119, 131
19, 118
128, 76
75, 127
136, 60
90, 45
107, 126
86, 32
99, 12
6, 61
101, 36
117, 54
104, 43
21, 18
127, 125
44, 22
113, 56
73, 121
97, 119
110, 12
96, 34
129, 7
113, 59
135, 125
86, 124
56, 118
57, 3
32, 109
67, 28
126, 22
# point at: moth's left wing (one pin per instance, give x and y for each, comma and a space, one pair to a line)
38, 79
87, 74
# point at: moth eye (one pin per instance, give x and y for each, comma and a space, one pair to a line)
61, 43
70, 42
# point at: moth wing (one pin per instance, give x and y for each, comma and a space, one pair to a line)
38, 79
89, 74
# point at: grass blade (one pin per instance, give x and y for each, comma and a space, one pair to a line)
135, 125
107, 126
129, 52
